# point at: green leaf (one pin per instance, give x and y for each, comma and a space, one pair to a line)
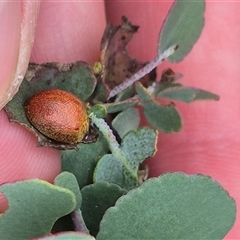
125, 94
121, 106
97, 198
163, 118
130, 118
82, 163
186, 94
69, 236
34, 206
164, 86
68, 180
143, 93
173, 206
76, 78
121, 167
63, 224
109, 169
182, 27
100, 93
139, 145
112, 169
99, 110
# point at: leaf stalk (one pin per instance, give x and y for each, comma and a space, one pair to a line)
142, 72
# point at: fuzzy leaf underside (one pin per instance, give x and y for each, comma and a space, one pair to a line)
112, 169
139, 145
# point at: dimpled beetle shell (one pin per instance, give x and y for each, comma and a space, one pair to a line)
58, 115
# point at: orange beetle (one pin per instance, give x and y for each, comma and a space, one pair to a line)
58, 115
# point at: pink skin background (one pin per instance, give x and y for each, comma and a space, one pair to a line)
209, 142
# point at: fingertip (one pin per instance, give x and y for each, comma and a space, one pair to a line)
20, 158
69, 32
15, 44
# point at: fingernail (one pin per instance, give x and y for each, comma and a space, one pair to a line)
17, 24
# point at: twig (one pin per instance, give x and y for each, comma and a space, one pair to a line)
107, 133
112, 141
142, 72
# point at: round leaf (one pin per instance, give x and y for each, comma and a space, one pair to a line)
173, 206
109, 169
182, 27
163, 118
34, 206
69, 181
99, 110
112, 169
97, 198
82, 163
139, 145
130, 118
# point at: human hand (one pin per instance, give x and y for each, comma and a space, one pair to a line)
62, 35
209, 141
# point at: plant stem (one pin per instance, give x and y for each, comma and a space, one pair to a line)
107, 132
113, 144
142, 72
78, 221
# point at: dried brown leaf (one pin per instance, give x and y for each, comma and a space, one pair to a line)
117, 64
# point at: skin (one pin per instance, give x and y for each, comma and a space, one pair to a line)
210, 138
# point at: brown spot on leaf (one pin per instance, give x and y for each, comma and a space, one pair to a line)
168, 76
117, 64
